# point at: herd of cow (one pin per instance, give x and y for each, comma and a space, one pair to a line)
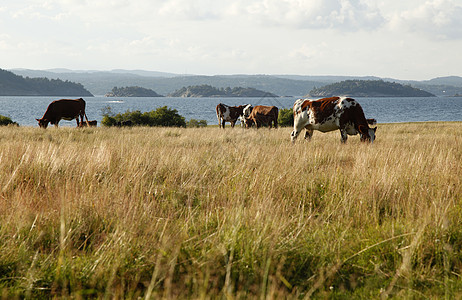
327, 114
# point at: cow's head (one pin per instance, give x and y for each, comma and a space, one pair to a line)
43, 123
245, 113
367, 134
248, 122
247, 110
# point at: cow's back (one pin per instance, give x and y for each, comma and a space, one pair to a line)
65, 109
262, 110
264, 114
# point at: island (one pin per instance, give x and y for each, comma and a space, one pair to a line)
210, 91
132, 91
368, 88
15, 85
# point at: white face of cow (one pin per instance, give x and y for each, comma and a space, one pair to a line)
245, 114
247, 110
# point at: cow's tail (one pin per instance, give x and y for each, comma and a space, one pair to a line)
218, 109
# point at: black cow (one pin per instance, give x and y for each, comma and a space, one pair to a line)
67, 109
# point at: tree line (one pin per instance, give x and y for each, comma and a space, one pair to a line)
368, 88
15, 85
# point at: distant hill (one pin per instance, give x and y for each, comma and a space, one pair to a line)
132, 91
15, 85
210, 91
100, 82
448, 80
368, 88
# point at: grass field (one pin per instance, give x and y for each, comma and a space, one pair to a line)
208, 213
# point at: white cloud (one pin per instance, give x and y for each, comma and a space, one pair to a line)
186, 9
343, 15
368, 37
435, 19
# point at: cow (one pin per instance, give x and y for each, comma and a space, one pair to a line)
262, 115
66, 109
92, 123
227, 113
246, 113
330, 114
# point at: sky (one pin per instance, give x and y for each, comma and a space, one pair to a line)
411, 39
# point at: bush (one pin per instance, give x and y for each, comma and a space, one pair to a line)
163, 116
197, 123
286, 117
6, 121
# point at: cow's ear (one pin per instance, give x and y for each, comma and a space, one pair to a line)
38, 120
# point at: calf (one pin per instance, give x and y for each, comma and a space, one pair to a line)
328, 114
92, 123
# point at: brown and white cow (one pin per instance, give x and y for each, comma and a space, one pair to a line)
227, 113
66, 109
263, 115
330, 114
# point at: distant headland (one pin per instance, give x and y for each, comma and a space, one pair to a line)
368, 88
132, 91
15, 85
210, 91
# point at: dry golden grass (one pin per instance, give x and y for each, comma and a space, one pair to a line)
207, 213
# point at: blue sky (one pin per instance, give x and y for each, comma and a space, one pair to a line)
412, 39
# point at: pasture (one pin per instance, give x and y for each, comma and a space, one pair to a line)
211, 213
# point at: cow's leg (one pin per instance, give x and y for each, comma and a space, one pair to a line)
81, 121
300, 122
232, 124
295, 133
343, 136
257, 123
222, 123
88, 124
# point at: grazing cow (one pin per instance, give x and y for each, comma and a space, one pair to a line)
66, 109
263, 115
227, 113
246, 113
92, 123
330, 114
